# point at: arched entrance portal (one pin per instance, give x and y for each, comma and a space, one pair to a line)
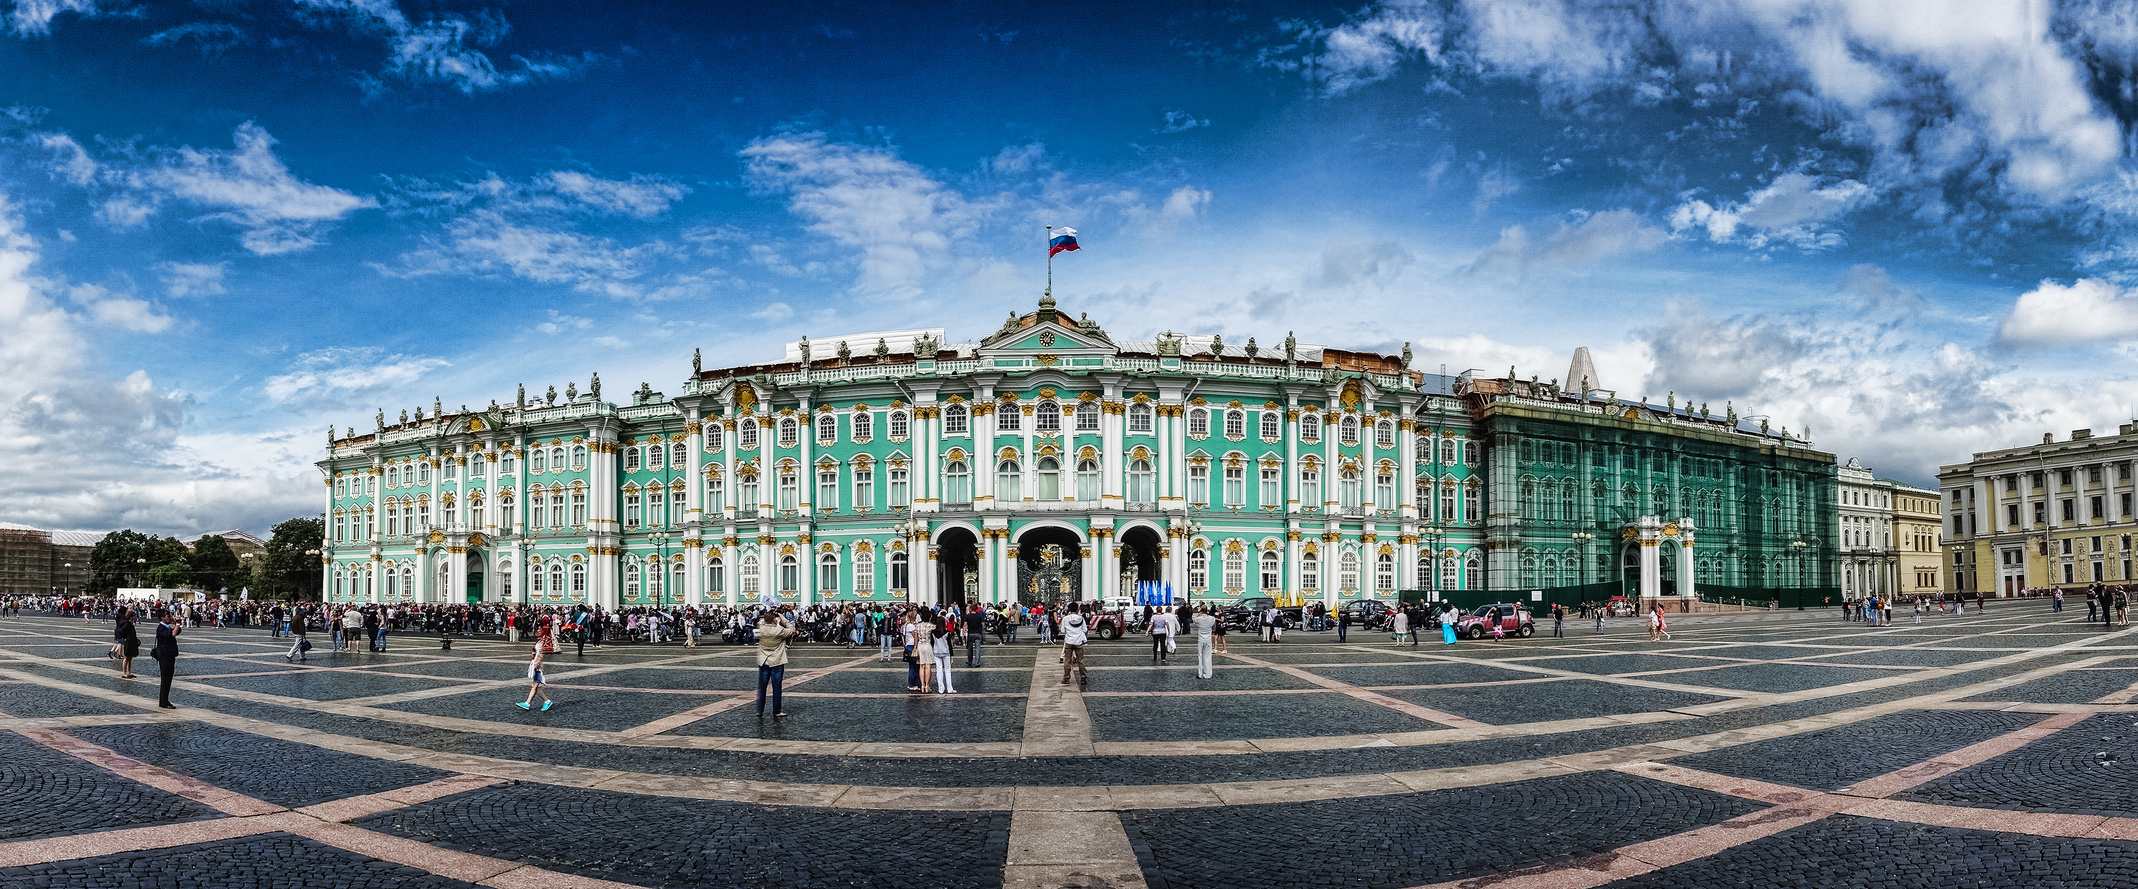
957, 566
1629, 571
1050, 566
477, 574
1139, 557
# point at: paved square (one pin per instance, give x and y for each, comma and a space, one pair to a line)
1780, 749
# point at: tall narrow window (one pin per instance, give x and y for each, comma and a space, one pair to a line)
716, 581
1087, 417
1047, 417
1349, 429
679, 455
790, 573
1270, 427
1447, 451
579, 580
714, 499
827, 429
901, 492
1471, 511
631, 511
1198, 485
898, 572
1235, 424
864, 572
1350, 489
1140, 486
790, 494
827, 490
631, 578
1235, 486
1008, 482
957, 482
864, 424
713, 435
578, 509
1447, 507
1309, 572
749, 500
1235, 571
1384, 490
1347, 572
1310, 428
1139, 419
1272, 488
1087, 480
1384, 573
749, 576
1310, 488
1198, 423
898, 425
746, 435
1050, 479
1007, 418
1384, 434
788, 432
1270, 579
1198, 569
828, 574
864, 486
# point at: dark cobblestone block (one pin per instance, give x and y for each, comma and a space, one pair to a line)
887, 679
281, 772
23, 699
655, 841
668, 677
1416, 838
1181, 677
1421, 673
268, 860
317, 685
1849, 852
44, 792
1909, 657
1225, 719
2072, 687
1280, 654
1780, 677
1545, 701
1760, 652
2019, 641
462, 669
1838, 757
575, 708
197, 665
2083, 770
1621, 664
933, 718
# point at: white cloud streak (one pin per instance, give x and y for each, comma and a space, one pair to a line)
2085, 311
895, 215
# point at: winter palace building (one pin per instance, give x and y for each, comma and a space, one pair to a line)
1049, 462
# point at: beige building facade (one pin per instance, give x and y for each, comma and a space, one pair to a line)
2058, 514
1918, 539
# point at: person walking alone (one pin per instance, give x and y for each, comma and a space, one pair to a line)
1343, 625
1558, 621
300, 647
1205, 630
1073, 639
1402, 622
1161, 633
772, 636
166, 655
537, 684
975, 634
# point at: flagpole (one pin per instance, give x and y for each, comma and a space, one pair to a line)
1050, 261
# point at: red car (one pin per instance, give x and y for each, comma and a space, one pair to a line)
1514, 621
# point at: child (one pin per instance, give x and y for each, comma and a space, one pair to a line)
535, 681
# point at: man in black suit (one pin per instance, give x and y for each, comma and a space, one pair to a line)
166, 655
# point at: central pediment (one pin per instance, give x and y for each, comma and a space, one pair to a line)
1045, 332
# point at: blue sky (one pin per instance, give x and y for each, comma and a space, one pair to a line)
1905, 226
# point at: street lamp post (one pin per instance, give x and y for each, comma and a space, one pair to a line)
1581, 539
141, 571
1798, 547
660, 565
1432, 535
1195, 529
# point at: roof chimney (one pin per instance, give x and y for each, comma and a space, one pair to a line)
2048, 438
2081, 434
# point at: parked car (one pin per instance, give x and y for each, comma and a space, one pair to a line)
1241, 615
1514, 621
1370, 614
1104, 622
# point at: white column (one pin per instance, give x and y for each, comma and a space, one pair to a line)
1651, 568
1687, 584
1407, 474
983, 446
806, 483
733, 581
1111, 447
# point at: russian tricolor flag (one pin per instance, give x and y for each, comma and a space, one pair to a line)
1064, 240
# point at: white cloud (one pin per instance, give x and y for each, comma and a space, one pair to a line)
486, 242
1373, 263
2087, 310
1177, 121
346, 375
1586, 241
774, 312
897, 217
69, 161
251, 187
33, 18
559, 323
1370, 48
1185, 203
110, 309
1793, 209
641, 196
181, 279
444, 49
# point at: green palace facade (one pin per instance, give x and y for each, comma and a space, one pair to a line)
1049, 462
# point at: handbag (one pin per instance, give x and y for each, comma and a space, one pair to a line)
304, 645
1170, 648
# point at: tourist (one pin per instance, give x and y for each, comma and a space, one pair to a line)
773, 635
1205, 630
537, 684
127, 640
916, 632
1073, 639
1558, 621
1343, 625
975, 634
1447, 628
1402, 625
1655, 623
1045, 623
298, 648
166, 654
2122, 602
1218, 632
939, 646
1161, 633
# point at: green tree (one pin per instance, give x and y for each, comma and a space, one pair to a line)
112, 564
291, 568
215, 567
170, 574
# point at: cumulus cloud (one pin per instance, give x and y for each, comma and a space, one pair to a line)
117, 310
1794, 209
348, 375
774, 312
488, 242
2087, 310
251, 187
898, 218
1585, 241
181, 279
33, 18
445, 49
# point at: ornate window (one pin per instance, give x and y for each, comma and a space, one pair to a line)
1447, 506
1272, 426
864, 572
827, 429
1140, 486
1139, 419
714, 501
898, 426
715, 576
1448, 578
1310, 487
631, 580
827, 490
828, 574
1347, 571
1309, 572
1384, 434
1198, 423
864, 486
864, 425
679, 455
1198, 485
746, 434
1469, 453
955, 419
749, 500
1087, 417
1473, 571
423, 474
790, 573
1384, 489
537, 516
1350, 490
1235, 570
713, 435
578, 509
1270, 574
579, 580
1235, 424
423, 514
1235, 490
1008, 482
898, 571
578, 457
901, 492
1472, 512
1008, 418
1384, 573
632, 511
1198, 569
1447, 451
1422, 449
1087, 480
656, 456
957, 482
557, 589
788, 432
1310, 428
1272, 493
790, 493
1348, 430
1048, 418
749, 575
1050, 478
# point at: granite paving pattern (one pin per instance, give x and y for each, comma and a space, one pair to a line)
281, 772
1210, 719
660, 842
275, 859
1849, 852
1834, 758
2071, 687
44, 792
948, 719
2085, 769
1545, 701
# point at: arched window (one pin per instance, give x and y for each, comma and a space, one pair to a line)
423, 474
579, 456
1422, 448
1235, 571
631, 459
957, 482
1566, 503
1472, 511
631, 580
578, 580
1198, 569
746, 435
632, 511
1424, 568
1048, 417
556, 459
864, 426
1198, 485
1008, 418
1528, 498
1310, 427
898, 572
864, 572
1347, 571
1384, 434
1449, 579
1235, 424
1270, 574
898, 425
1351, 491
750, 576
1139, 419
408, 581
1087, 480
557, 589
1529, 569
1272, 479
1270, 425
827, 429
1087, 417
678, 455
790, 489
1384, 489
955, 419
393, 524
788, 432
1447, 451
1384, 573
748, 499
675, 578
828, 575
1473, 571
1529, 451
1050, 478
1008, 482
1309, 572
864, 485
901, 492
1140, 486
790, 573
578, 508
1348, 431
716, 581
1198, 423
507, 515
393, 582
713, 435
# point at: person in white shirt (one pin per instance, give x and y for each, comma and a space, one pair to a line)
1161, 632
1205, 628
1073, 638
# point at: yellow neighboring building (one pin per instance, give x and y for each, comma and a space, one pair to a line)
2057, 514
1917, 539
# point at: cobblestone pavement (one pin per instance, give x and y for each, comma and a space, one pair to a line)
1775, 749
